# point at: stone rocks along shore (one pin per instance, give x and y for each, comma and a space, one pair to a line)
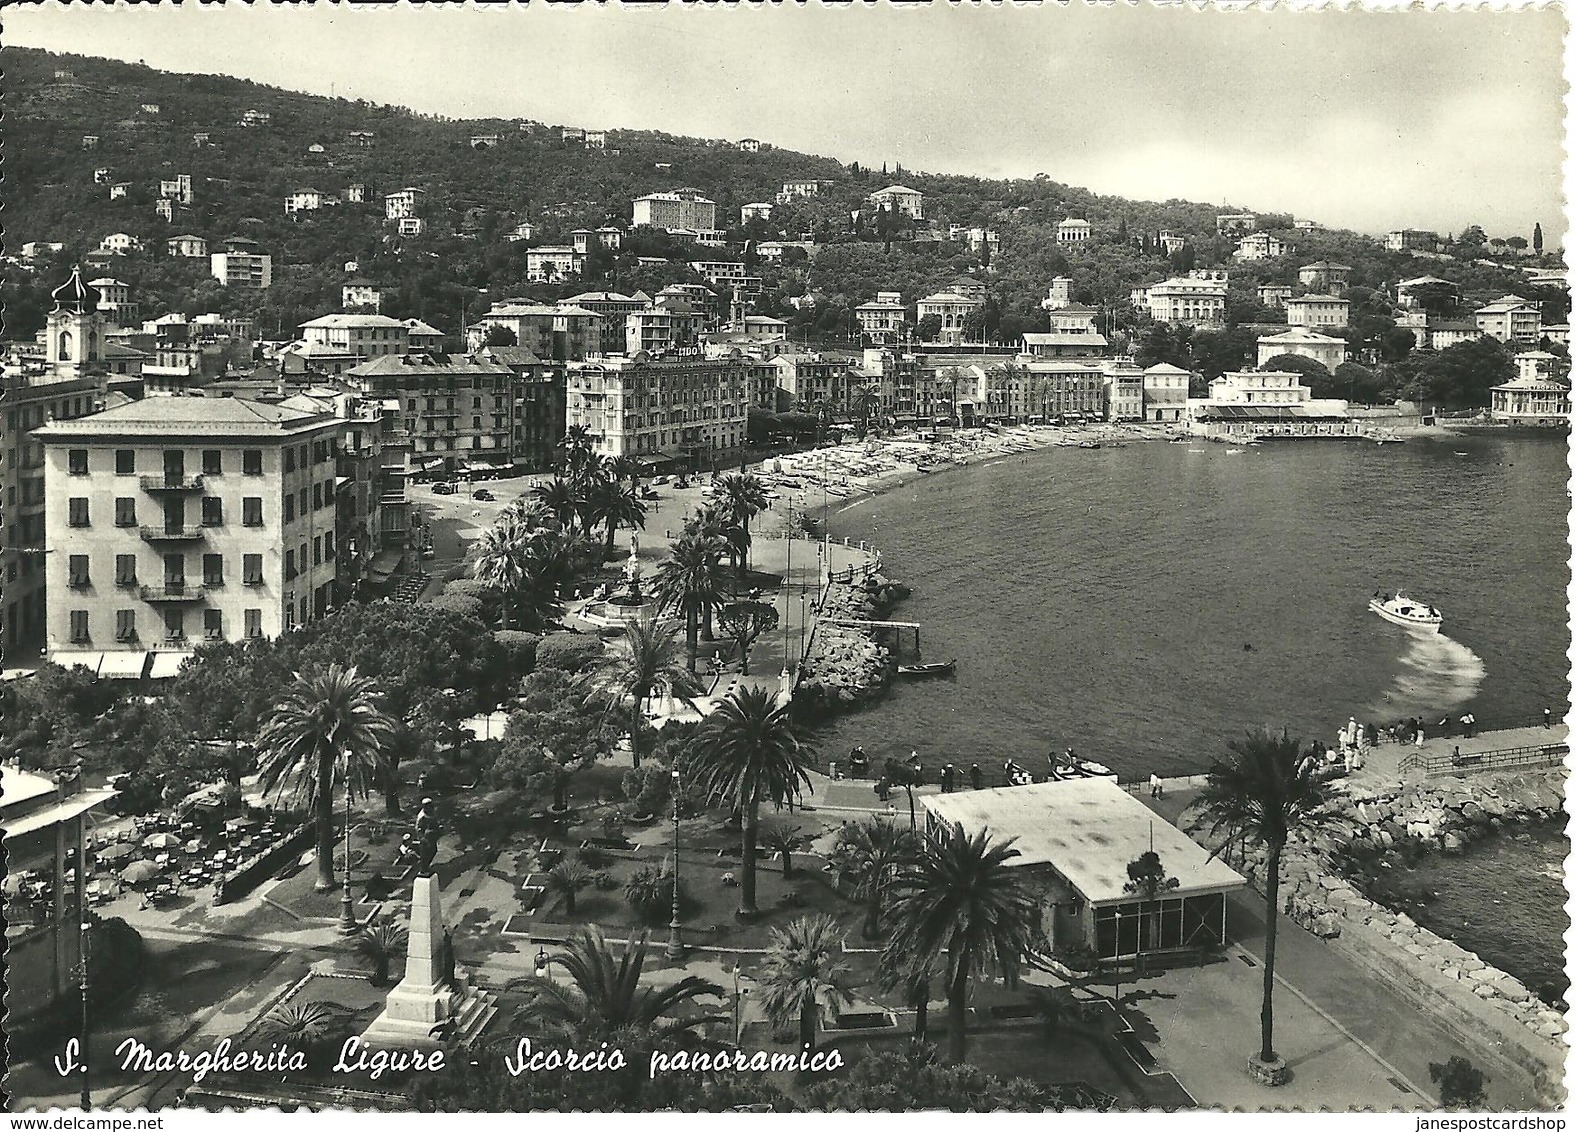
845, 665
1442, 814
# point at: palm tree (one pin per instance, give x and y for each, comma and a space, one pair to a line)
327, 721
911, 975
962, 902
618, 506
561, 498
621, 468
865, 399
303, 1026
500, 564
785, 841
804, 974
743, 498
579, 453
1263, 789
871, 852
569, 876
380, 943
689, 581
646, 665
604, 995
1147, 878
747, 751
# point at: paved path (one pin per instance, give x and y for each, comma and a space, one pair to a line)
1382, 764
1362, 1007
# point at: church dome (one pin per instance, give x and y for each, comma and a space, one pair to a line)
74, 295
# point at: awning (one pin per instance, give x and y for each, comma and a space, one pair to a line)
117, 664
167, 664
1264, 413
384, 563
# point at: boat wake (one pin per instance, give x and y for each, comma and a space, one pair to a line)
1438, 674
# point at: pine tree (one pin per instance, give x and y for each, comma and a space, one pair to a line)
1538, 239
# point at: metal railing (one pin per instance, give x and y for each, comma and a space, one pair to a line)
171, 483
1544, 754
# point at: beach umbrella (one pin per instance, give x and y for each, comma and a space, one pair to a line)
115, 852
138, 871
161, 841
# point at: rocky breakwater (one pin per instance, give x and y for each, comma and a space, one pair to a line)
845, 664
1439, 815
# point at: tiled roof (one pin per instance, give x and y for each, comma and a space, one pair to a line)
157, 416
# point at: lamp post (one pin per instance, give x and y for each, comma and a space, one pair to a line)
544, 963
739, 1003
82, 949
347, 914
675, 943
1117, 973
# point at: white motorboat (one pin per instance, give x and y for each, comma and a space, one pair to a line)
1400, 610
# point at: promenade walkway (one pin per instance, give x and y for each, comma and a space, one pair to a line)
1365, 1011
1383, 764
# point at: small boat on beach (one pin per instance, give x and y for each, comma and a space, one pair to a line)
935, 668
1400, 610
1089, 444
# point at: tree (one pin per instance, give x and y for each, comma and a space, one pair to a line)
1517, 243
743, 622
568, 877
804, 974
1538, 239
1463, 375
746, 752
499, 335
1265, 787
328, 724
500, 564
549, 736
927, 328
689, 580
870, 853
305, 1026
1147, 879
380, 943
961, 901
646, 663
609, 502
1461, 1085
604, 996
1472, 237
742, 498
785, 841
1298, 364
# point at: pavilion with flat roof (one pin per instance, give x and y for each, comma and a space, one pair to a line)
1079, 836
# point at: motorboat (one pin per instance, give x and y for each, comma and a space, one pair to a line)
1401, 610
1089, 444
935, 668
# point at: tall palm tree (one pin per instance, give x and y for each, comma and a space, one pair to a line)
961, 901
500, 563
1263, 789
616, 505
579, 453
559, 496
743, 497
689, 582
865, 400
746, 752
871, 852
804, 974
328, 724
648, 663
625, 468
604, 995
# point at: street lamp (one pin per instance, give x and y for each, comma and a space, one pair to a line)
739, 1013
347, 914
675, 943
544, 963
1117, 972
82, 949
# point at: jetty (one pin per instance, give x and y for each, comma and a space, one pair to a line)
1535, 747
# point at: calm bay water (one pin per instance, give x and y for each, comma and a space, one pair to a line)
1144, 605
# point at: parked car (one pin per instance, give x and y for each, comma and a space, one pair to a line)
444, 488
483, 494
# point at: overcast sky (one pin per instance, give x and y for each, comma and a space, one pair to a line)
1363, 120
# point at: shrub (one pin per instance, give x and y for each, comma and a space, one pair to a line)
568, 652
468, 587
462, 605
1461, 1085
650, 892
519, 649
605, 882
595, 857
648, 787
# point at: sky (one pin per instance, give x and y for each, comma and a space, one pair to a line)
1364, 120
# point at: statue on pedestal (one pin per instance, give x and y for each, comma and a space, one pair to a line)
632, 573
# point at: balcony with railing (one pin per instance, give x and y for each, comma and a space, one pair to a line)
173, 593
172, 534
171, 483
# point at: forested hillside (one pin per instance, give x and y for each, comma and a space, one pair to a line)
474, 197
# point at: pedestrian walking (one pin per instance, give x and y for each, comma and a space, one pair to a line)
1155, 785
1418, 733
1546, 718
948, 778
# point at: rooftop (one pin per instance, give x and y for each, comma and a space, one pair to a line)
165, 416
428, 363
342, 321
1088, 829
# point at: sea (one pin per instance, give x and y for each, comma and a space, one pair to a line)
1144, 605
